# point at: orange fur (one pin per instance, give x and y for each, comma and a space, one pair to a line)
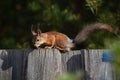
54, 40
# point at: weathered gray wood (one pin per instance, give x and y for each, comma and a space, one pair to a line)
44, 64
94, 67
5, 68
72, 61
12, 64
48, 64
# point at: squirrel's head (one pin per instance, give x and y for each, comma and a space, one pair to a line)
38, 38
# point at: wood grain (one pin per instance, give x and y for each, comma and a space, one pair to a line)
49, 64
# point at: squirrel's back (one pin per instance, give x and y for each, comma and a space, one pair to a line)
62, 41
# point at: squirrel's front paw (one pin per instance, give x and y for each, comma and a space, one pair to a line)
48, 47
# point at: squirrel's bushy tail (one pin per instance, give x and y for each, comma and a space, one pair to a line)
91, 29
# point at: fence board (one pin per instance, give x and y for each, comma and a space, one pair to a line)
12, 64
95, 68
48, 64
44, 65
72, 61
5, 71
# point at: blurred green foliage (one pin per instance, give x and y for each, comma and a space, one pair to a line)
114, 46
66, 16
70, 76
94, 5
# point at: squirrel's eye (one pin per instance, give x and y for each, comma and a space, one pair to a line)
37, 40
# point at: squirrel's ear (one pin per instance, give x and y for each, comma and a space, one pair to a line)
38, 29
33, 31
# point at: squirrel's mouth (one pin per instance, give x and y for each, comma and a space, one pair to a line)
36, 45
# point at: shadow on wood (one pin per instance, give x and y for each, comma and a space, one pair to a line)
74, 64
72, 61
13, 63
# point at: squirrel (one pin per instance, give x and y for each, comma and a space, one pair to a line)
62, 42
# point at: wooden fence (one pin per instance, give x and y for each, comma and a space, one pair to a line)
48, 64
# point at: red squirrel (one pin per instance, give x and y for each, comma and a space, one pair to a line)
61, 41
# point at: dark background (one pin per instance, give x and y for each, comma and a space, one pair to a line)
66, 16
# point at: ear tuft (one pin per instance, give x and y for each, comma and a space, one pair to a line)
38, 29
33, 31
